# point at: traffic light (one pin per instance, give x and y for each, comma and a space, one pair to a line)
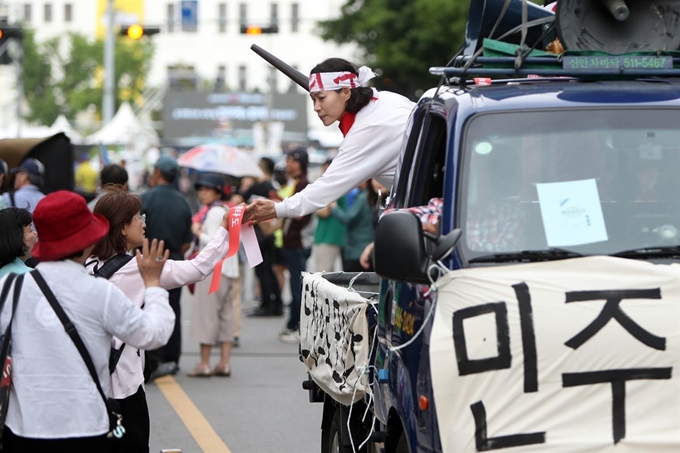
137, 31
8, 32
257, 30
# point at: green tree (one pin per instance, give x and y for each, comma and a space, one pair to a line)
69, 82
37, 79
402, 38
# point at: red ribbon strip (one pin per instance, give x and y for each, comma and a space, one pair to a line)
235, 218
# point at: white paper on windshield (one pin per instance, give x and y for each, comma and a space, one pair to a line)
571, 212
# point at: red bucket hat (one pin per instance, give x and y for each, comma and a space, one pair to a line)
65, 226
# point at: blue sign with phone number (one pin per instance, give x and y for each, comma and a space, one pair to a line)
616, 62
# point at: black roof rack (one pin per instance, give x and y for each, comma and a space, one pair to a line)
574, 65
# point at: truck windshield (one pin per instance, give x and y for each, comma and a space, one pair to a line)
591, 181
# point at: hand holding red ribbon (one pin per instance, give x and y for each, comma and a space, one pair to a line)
252, 248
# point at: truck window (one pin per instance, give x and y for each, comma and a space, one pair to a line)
405, 165
594, 181
425, 178
429, 164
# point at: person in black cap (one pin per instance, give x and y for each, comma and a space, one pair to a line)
296, 249
270, 291
168, 218
28, 179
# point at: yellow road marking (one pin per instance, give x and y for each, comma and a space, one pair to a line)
193, 419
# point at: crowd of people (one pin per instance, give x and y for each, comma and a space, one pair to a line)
128, 256
190, 244
337, 234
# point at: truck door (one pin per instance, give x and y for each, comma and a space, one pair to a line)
421, 179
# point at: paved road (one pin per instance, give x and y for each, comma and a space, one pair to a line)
261, 408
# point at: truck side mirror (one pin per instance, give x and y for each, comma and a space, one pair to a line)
399, 250
444, 245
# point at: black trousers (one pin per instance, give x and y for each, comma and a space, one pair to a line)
269, 284
296, 260
12, 443
173, 349
135, 414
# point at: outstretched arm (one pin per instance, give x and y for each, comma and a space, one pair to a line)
360, 159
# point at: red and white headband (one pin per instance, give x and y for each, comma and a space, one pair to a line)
326, 81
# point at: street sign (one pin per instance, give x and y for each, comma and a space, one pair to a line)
189, 15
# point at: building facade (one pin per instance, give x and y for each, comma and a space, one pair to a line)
201, 40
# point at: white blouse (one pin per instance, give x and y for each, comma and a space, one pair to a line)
53, 395
129, 374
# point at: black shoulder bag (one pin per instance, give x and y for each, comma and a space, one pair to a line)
6, 350
110, 267
116, 428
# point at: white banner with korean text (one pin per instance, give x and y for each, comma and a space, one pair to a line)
334, 338
580, 355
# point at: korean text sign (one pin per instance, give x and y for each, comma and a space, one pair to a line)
573, 355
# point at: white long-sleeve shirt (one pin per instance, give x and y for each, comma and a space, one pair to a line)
369, 150
129, 373
53, 395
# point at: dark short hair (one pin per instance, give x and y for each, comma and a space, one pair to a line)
119, 207
36, 180
267, 165
168, 176
113, 174
12, 223
360, 97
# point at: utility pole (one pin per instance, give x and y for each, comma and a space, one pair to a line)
20, 85
109, 66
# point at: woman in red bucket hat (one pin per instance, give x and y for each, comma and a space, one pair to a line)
64, 228
54, 404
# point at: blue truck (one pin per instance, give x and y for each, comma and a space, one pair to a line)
534, 159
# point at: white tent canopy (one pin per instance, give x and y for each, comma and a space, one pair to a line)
61, 124
25, 131
126, 129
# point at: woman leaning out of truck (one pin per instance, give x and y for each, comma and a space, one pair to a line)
126, 233
374, 125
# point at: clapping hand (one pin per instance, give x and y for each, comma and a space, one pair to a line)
151, 261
